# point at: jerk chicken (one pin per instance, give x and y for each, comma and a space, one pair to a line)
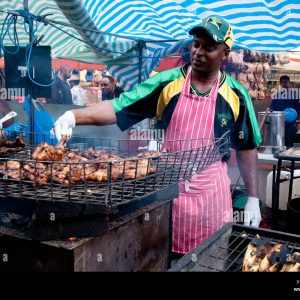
8, 146
261, 256
47, 152
60, 165
17, 143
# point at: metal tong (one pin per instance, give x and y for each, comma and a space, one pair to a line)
7, 117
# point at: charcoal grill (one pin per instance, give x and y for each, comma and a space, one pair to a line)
224, 251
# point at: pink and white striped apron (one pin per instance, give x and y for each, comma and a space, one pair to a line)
204, 203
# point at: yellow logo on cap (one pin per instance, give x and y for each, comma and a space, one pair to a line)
214, 21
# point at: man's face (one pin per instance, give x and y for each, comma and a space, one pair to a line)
285, 83
67, 73
107, 87
206, 55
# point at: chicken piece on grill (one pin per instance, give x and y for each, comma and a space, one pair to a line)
74, 157
92, 153
274, 258
100, 155
43, 152
11, 169
47, 152
12, 165
295, 268
132, 169
17, 143
39, 173
148, 154
292, 264
100, 176
255, 253
5, 151
66, 173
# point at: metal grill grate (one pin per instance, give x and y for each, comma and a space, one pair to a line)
224, 251
170, 168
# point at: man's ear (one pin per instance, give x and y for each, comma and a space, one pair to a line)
227, 51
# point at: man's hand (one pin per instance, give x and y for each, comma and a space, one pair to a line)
252, 216
64, 125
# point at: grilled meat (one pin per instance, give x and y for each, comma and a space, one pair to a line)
149, 154
274, 259
17, 143
100, 175
44, 152
261, 256
255, 253
8, 146
5, 151
292, 264
11, 169
91, 165
39, 173
47, 152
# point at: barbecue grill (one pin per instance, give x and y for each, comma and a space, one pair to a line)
224, 251
100, 202
170, 169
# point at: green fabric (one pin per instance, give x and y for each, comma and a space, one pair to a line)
208, 91
145, 89
255, 127
143, 102
65, 46
219, 29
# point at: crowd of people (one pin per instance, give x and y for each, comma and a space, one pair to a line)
74, 87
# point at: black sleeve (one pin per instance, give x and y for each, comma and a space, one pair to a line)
242, 137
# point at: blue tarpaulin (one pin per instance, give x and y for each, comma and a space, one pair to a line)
135, 35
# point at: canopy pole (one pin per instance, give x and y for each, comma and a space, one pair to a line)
143, 125
141, 45
25, 4
31, 120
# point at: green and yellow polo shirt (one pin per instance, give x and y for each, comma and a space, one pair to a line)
158, 96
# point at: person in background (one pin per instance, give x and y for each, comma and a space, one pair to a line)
282, 100
194, 101
109, 88
75, 74
79, 95
60, 90
10, 128
89, 76
97, 80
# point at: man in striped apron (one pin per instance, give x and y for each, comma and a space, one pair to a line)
194, 101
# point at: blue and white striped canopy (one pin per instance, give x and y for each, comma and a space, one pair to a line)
162, 26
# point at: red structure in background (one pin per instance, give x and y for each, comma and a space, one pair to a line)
75, 65
169, 63
166, 63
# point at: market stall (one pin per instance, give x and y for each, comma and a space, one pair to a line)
123, 211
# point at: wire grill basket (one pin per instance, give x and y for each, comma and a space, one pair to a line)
224, 251
159, 171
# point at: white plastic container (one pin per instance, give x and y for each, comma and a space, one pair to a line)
284, 188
